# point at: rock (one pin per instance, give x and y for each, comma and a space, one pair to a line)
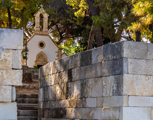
27, 77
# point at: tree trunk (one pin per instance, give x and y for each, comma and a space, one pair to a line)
95, 11
91, 38
9, 17
138, 36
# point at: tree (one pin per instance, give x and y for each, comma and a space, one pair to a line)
142, 26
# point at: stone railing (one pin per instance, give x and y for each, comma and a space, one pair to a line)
11, 45
113, 82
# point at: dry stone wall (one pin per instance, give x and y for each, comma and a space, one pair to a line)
11, 45
113, 82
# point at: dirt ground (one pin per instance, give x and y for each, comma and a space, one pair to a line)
28, 88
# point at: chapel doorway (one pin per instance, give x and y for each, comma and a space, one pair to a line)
41, 59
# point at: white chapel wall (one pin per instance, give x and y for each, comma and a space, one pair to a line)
50, 49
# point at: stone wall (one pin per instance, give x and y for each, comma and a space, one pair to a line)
11, 43
33, 71
113, 82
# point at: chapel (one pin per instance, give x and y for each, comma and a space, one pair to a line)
42, 48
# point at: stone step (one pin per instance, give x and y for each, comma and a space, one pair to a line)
27, 118
24, 106
27, 113
28, 87
27, 95
27, 100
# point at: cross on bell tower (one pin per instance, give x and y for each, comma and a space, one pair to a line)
41, 6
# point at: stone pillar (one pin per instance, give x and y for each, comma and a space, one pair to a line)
45, 22
37, 23
11, 45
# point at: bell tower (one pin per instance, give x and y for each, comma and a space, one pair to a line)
44, 26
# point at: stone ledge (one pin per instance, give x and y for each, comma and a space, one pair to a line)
10, 77
11, 38
16, 59
5, 59
136, 113
8, 111
5, 94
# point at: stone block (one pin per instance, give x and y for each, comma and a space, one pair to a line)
46, 93
94, 87
52, 92
76, 74
63, 76
60, 65
61, 91
70, 113
111, 113
13, 94
11, 38
16, 59
55, 66
113, 85
41, 95
99, 102
115, 67
123, 85
40, 105
10, 77
55, 78
115, 101
46, 69
8, 111
86, 58
41, 112
137, 85
76, 103
88, 72
135, 113
64, 63
80, 113
140, 67
140, 101
150, 53
46, 104
53, 104
5, 93
57, 112
5, 59
98, 70
77, 89
74, 61
70, 90
64, 103
135, 50
97, 55
112, 51
91, 102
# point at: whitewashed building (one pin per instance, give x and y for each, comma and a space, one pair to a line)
42, 49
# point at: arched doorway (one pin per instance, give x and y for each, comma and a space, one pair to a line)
41, 59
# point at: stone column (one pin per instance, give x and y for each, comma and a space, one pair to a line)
45, 23
11, 45
37, 23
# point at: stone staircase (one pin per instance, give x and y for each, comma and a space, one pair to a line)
27, 105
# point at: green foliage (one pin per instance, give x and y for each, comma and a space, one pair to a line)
35, 67
143, 10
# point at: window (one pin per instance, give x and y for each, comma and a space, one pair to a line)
41, 44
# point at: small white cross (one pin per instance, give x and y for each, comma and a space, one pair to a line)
41, 6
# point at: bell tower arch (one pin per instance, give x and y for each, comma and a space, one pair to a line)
41, 11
